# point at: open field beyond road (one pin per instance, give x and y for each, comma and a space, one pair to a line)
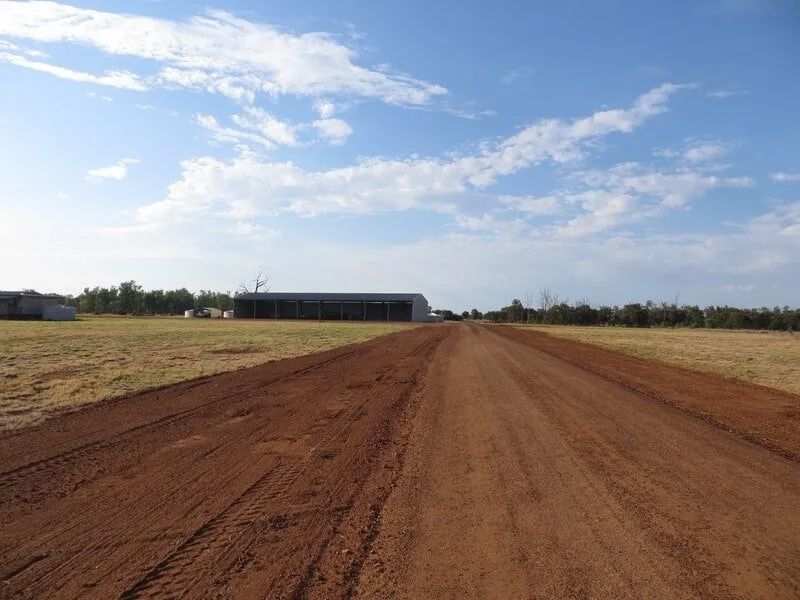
445, 461
765, 358
46, 367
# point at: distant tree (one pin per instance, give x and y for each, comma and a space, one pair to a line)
130, 298
546, 299
259, 284
465, 315
448, 314
515, 311
649, 314
528, 306
209, 299
475, 314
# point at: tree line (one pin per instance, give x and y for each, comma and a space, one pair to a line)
128, 298
548, 308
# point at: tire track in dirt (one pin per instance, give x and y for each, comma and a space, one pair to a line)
281, 478
170, 577
704, 396
446, 461
324, 426
313, 584
120, 509
63, 459
528, 476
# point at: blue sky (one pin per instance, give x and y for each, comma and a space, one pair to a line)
613, 151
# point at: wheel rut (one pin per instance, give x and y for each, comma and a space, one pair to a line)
238, 493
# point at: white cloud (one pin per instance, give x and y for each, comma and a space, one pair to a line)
705, 152
247, 185
697, 151
334, 131
559, 141
117, 172
325, 108
8, 46
671, 189
783, 220
217, 52
599, 201
99, 97
253, 231
119, 79
532, 205
628, 193
256, 126
275, 130
723, 94
230, 134
601, 210
785, 176
496, 268
509, 228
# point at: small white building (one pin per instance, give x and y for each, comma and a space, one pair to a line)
59, 312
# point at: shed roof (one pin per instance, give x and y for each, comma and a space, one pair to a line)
332, 296
5, 294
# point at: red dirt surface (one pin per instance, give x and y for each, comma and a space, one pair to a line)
440, 462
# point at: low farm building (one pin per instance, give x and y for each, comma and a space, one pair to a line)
332, 306
33, 305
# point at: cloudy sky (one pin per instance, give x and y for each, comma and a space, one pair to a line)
615, 151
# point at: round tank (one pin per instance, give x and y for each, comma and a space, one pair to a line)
188, 314
228, 314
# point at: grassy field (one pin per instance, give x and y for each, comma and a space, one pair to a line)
766, 358
46, 367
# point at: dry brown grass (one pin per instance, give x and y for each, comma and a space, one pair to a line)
771, 359
47, 367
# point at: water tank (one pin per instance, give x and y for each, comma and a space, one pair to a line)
58, 313
188, 314
228, 314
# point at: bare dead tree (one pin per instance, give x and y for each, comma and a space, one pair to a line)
528, 305
259, 284
582, 301
546, 299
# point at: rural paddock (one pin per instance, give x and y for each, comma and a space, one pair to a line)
442, 461
47, 368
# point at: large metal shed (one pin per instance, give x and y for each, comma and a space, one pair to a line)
332, 306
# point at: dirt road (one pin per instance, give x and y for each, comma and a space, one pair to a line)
446, 461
